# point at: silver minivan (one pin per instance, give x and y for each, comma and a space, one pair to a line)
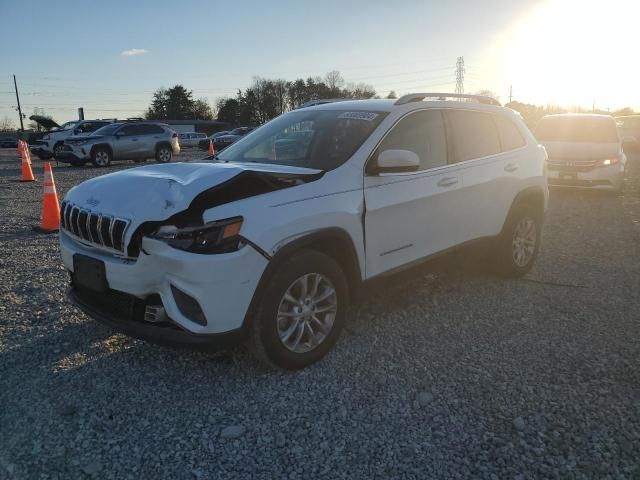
585, 150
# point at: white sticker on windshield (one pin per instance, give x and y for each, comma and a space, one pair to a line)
368, 116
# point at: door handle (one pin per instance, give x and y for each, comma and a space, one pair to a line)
134, 139
510, 167
447, 181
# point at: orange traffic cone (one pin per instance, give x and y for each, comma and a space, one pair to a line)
50, 206
211, 151
27, 174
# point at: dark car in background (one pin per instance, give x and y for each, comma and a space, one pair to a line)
8, 140
223, 141
204, 143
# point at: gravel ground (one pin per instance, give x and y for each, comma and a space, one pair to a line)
444, 371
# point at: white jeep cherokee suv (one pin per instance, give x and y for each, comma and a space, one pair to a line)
270, 240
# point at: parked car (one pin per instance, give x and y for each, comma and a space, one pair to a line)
270, 244
584, 150
223, 141
53, 143
191, 139
629, 130
8, 140
123, 140
204, 144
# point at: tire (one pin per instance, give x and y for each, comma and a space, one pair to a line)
519, 243
273, 336
101, 157
164, 154
57, 147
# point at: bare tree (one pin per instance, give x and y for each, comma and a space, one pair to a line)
392, 94
6, 124
334, 80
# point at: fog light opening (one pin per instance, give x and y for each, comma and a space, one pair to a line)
188, 306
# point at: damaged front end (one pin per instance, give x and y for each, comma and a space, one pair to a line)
187, 231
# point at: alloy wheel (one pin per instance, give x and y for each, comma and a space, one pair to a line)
164, 155
102, 158
524, 241
307, 312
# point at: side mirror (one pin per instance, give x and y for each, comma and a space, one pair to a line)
396, 161
120, 134
77, 131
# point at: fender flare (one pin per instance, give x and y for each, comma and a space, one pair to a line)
310, 240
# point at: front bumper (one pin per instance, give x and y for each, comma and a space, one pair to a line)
162, 335
41, 149
611, 177
74, 153
222, 285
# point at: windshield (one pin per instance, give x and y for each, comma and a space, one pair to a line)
578, 129
68, 125
107, 129
314, 139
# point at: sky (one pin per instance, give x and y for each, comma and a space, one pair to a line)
109, 57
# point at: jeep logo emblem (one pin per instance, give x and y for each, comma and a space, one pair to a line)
93, 202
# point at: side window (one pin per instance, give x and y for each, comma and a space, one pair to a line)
130, 130
510, 136
424, 134
472, 135
148, 129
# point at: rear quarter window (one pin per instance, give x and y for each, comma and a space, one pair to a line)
509, 133
472, 135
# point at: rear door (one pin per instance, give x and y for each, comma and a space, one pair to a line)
149, 135
487, 146
410, 216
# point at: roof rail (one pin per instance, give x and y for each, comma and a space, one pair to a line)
418, 97
322, 101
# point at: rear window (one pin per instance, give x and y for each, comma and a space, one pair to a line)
510, 136
473, 135
578, 129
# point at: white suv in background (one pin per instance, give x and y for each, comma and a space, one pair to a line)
585, 150
271, 240
52, 144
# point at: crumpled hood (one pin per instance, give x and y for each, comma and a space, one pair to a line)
581, 151
157, 192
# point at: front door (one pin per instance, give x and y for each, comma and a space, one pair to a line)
410, 216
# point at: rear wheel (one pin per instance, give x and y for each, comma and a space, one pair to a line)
519, 243
164, 154
101, 157
302, 311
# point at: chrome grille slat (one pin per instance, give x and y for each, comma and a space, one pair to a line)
102, 230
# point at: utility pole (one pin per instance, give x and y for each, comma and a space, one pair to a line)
460, 75
18, 99
510, 93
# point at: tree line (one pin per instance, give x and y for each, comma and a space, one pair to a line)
267, 98
263, 100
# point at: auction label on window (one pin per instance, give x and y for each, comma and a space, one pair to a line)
368, 116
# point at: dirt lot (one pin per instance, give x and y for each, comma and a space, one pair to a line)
445, 371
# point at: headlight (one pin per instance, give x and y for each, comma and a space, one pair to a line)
216, 237
610, 161
46, 137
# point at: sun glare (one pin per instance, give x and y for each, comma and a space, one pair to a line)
572, 52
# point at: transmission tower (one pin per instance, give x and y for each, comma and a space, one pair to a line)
460, 75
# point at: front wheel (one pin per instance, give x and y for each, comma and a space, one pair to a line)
101, 157
518, 245
164, 154
302, 311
